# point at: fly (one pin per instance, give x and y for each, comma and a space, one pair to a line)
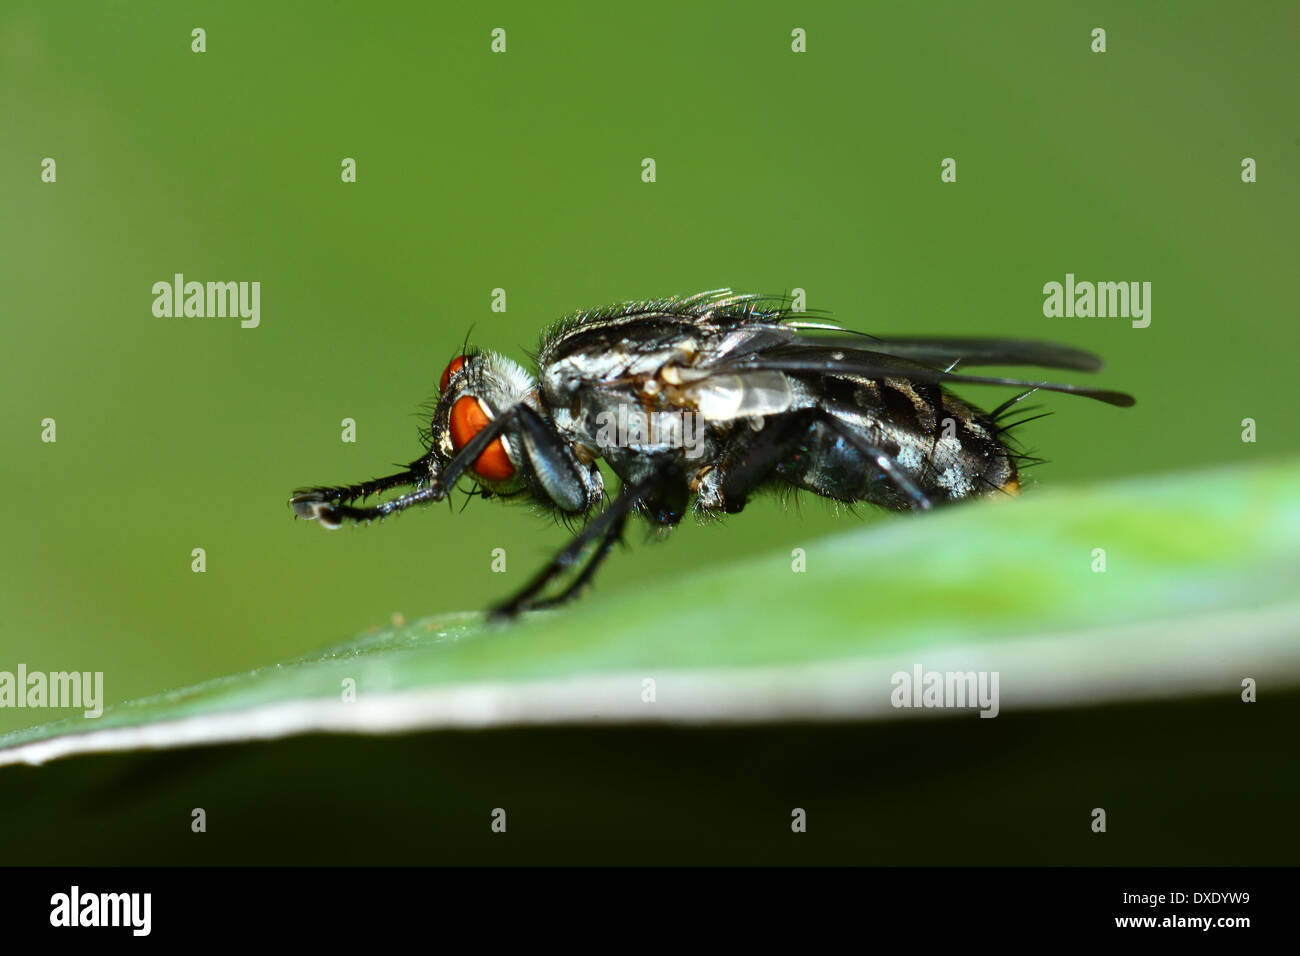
697, 403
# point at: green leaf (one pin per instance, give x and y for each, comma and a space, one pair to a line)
1198, 594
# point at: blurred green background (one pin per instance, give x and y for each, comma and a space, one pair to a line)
522, 171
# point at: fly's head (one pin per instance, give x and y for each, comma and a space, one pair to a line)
486, 396
491, 424
475, 390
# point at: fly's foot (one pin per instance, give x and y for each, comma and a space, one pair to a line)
315, 506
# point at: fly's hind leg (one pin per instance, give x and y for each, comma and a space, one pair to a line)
882, 459
782, 441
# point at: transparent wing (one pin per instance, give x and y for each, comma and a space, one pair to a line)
845, 361
943, 352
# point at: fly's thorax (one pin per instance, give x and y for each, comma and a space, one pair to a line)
647, 392
605, 351
613, 422
621, 365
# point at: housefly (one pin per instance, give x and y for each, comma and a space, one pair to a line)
699, 402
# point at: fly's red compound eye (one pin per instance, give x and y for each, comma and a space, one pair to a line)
468, 419
455, 366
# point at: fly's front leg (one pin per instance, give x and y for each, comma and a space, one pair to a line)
331, 514
331, 505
